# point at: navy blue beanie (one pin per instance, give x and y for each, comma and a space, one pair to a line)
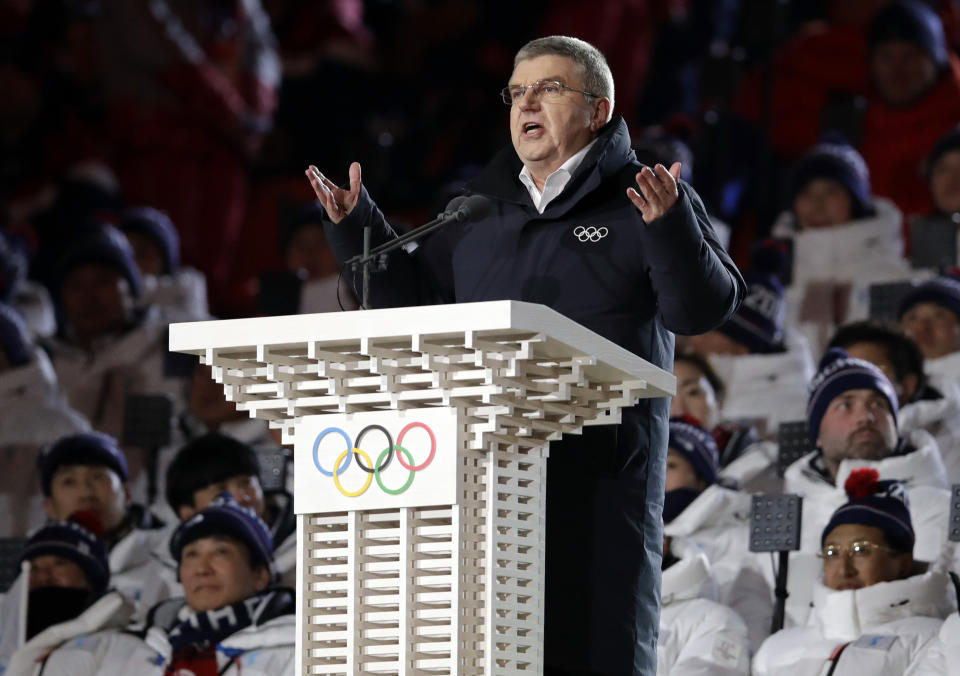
14, 339
910, 21
104, 245
838, 162
838, 373
76, 543
86, 448
159, 228
944, 290
875, 503
758, 322
225, 516
696, 445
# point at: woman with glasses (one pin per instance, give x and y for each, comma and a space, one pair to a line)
876, 608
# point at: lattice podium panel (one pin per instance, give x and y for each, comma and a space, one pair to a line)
427, 588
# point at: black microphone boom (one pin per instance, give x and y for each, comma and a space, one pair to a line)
460, 209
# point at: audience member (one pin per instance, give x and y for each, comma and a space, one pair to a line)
214, 463
922, 406
915, 99
181, 291
60, 594
930, 315
843, 239
34, 414
875, 608
89, 472
704, 517
231, 619
943, 174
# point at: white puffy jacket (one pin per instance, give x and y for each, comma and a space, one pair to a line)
34, 414
139, 570
261, 649
943, 372
941, 419
883, 630
942, 656
717, 525
697, 634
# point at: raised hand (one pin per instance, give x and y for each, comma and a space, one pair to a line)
658, 191
337, 202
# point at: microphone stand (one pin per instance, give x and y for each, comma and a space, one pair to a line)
379, 253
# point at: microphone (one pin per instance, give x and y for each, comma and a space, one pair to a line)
471, 208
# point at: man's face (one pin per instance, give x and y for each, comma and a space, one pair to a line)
901, 72
822, 203
216, 571
876, 354
945, 182
849, 570
245, 489
88, 487
56, 571
547, 132
857, 424
149, 257
695, 395
680, 473
934, 328
717, 342
97, 301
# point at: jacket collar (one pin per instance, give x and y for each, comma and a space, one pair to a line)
688, 579
609, 154
715, 506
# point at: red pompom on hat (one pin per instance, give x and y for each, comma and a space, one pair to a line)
861, 483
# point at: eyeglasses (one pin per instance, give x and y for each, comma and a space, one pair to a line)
542, 89
861, 549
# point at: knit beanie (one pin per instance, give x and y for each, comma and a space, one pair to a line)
77, 540
758, 322
839, 372
105, 245
86, 448
910, 21
159, 228
14, 339
944, 290
875, 503
838, 162
695, 444
225, 516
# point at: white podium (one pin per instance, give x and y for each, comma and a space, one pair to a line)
420, 442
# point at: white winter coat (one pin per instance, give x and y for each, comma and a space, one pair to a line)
943, 372
33, 414
853, 255
697, 634
266, 649
942, 656
885, 627
183, 294
140, 572
941, 419
717, 525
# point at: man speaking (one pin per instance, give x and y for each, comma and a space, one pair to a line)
575, 223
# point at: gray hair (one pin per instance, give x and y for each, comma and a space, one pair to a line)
597, 77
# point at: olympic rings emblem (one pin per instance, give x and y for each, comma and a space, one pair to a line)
373, 470
590, 233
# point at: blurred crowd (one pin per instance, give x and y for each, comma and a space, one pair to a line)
151, 171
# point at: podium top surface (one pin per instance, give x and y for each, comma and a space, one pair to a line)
566, 337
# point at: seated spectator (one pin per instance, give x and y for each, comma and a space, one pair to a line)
230, 620
930, 315
943, 174
30, 299
852, 421
844, 240
875, 607
89, 472
179, 291
915, 99
706, 518
921, 405
34, 414
107, 347
214, 463
63, 589
765, 380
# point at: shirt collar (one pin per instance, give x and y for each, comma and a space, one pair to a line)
564, 172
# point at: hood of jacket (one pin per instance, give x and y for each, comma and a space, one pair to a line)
689, 578
848, 614
715, 507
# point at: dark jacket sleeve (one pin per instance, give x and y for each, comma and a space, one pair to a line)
698, 287
404, 280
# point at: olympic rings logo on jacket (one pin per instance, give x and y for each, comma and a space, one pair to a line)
373, 470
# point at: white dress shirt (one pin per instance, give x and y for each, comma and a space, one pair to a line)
556, 181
